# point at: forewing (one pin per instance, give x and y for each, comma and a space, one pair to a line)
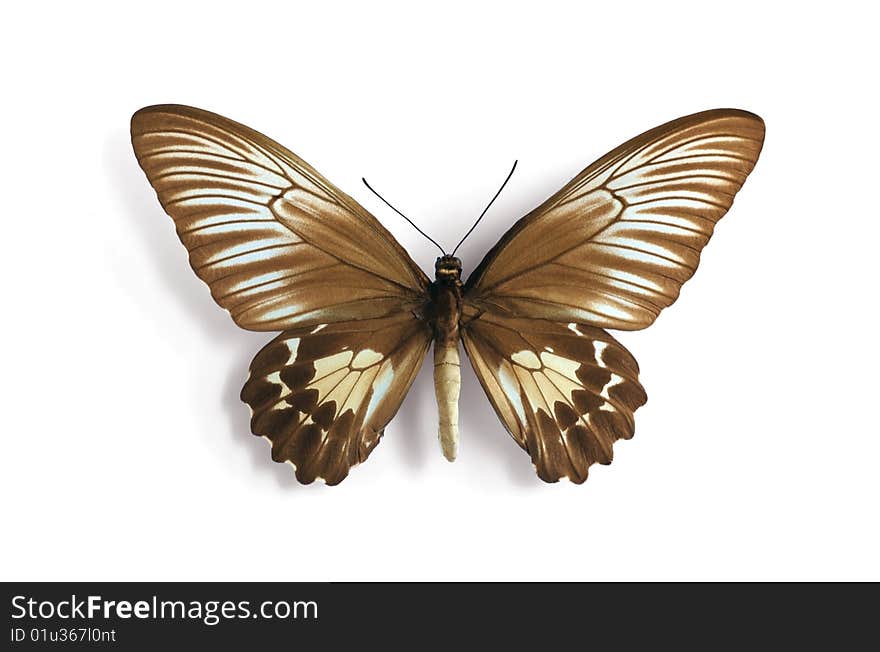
565, 392
322, 396
279, 246
615, 245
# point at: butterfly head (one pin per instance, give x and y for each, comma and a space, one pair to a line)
447, 269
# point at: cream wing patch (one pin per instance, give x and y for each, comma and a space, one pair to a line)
323, 396
384, 378
565, 392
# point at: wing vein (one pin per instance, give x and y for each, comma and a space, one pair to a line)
642, 251
209, 156
216, 261
216, 175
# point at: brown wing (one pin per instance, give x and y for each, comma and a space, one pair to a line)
615, 245
279, 246
565, 392
323, 396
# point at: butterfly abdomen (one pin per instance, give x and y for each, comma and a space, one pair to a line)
446, 300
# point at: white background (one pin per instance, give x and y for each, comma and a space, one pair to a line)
126, 452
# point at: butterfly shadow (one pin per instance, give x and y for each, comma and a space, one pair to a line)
408, 427
166, 257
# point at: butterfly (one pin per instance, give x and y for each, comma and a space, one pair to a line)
284, 250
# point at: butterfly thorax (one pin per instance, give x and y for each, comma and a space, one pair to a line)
445, 293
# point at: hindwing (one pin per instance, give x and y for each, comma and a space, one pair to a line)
565, 392
322, 396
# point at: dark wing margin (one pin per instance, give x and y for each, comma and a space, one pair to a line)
613, 247
279, 246
565, 392
322, 396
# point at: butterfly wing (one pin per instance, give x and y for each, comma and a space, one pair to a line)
282, 249
279, 246
566, 393
615, 245
322, 396
609, 250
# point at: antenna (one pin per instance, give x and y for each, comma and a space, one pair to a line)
509, 174
403, 216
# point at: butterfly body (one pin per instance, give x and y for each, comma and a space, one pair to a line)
446, 300
283, 250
